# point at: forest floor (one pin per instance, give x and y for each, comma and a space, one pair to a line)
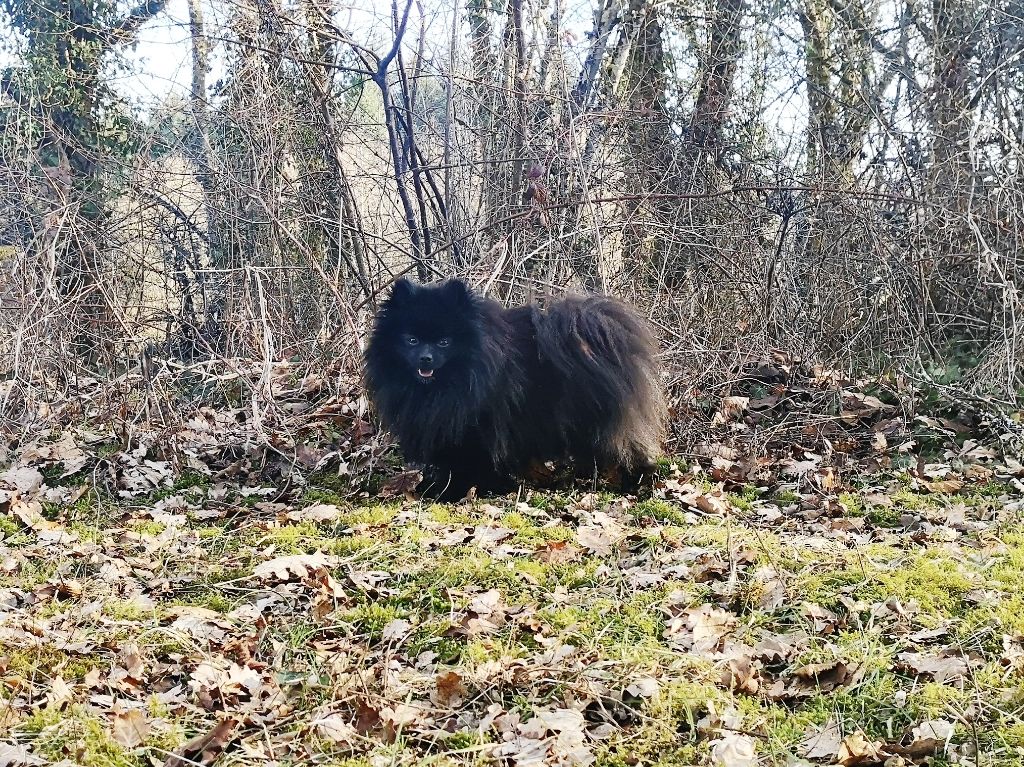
211, 593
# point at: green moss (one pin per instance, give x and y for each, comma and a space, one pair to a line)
528, 532
911, 501
745, 498
852, 504
46, 663
574, 575
348, 545
932, 701
147, 527
315, 495
298, 538
58, 733
661, 511
123, 610
188, 480
379, 515
8, 527
626, 629
1010, 735
451, 515
371, 618
933, 580
469, 566
786, 497
885, 516
211, 532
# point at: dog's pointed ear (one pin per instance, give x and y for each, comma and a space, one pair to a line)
458, 292
402, 290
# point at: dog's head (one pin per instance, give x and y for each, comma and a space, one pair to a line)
428, 329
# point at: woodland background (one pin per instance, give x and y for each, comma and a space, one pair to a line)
208, 555
833, 181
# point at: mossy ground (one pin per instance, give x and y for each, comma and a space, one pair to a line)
512, 602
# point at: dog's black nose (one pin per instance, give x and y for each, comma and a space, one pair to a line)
426, 359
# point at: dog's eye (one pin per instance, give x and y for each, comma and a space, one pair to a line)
412, 340
444, 342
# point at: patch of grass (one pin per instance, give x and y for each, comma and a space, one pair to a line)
211, 599
189, 480
467, 566
217, 573
108, 449
872, 706
553, 503
933, 701
602, 606
630, 629
32, 573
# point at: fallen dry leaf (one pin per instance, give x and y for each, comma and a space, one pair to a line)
741, 675
822, 745
558, 552
206, 747
941, 667
293, 566
396, 630
450, 690
927, 739
335, 728
856, 749
595, 539
318, 512
24, 479
403, 484
130, 727
734, 750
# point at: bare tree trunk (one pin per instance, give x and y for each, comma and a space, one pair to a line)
717, 74
954, 39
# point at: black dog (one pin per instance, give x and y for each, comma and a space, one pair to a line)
479, 392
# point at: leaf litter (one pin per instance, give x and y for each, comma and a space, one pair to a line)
228, 592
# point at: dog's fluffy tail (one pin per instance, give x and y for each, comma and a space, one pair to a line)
612, 404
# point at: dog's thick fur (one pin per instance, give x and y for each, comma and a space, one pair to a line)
478, 392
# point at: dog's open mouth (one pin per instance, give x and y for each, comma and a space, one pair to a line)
425, 373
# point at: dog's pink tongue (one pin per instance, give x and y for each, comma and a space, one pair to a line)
426, 373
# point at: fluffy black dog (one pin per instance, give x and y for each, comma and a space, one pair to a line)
478, 392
